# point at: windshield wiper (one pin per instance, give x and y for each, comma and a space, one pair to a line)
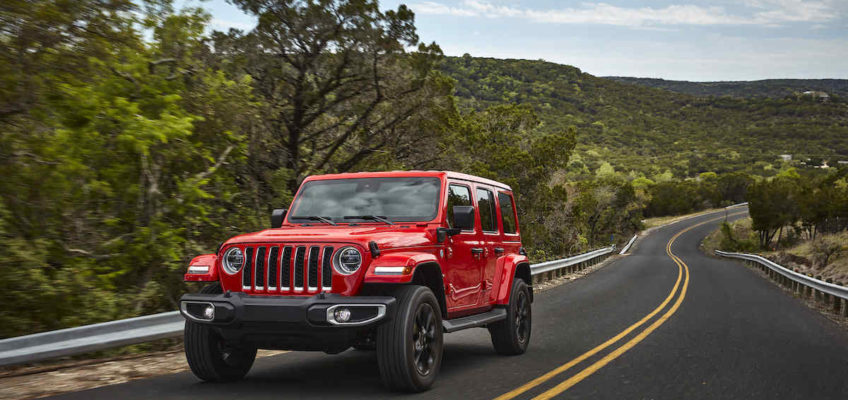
318, 218
370, 217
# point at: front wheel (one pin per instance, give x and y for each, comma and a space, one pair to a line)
409, 346
210, 357
512, 335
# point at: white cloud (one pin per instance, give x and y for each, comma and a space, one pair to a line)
768, 12
432, 8
224, 25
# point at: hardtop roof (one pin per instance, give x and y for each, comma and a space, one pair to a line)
401, 174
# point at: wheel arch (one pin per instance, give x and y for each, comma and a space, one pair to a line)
517, 266
522, 270
429, 274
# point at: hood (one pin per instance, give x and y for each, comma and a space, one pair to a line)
386, 236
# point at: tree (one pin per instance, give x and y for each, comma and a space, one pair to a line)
772, 205
503, 142
335, 79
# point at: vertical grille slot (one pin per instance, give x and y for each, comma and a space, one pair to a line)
273, 267
259, 269
285, 269
246, 272
314, 252
299, 258
327, 270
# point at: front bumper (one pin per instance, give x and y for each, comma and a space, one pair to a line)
288, 322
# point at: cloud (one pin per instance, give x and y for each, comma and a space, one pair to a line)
765, 12
225, 25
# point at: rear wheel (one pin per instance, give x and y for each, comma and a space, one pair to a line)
512, 335
409, 346
210, 357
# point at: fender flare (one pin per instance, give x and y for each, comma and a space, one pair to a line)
508, 268
204, 259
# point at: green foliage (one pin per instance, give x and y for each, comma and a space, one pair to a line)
810, 204
121, 184
653, 131
729, 241
774, 88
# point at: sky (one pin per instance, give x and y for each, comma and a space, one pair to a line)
692, 40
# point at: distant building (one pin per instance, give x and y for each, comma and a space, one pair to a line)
817, 95
785, 157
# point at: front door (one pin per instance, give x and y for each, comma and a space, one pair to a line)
463, 276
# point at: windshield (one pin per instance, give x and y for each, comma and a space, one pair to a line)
363, 199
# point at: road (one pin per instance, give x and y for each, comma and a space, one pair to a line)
646, 326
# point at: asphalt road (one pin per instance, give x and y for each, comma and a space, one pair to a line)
725, 332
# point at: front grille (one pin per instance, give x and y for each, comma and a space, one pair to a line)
287, 269
299, 256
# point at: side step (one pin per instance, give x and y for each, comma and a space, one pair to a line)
474, 321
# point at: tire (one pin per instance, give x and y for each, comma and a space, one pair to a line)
410, 345
210, 357
512, 335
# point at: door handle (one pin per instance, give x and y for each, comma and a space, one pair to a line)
476, 250
499, 250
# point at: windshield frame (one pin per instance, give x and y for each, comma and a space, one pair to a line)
292, 219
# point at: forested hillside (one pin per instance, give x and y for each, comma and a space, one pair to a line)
651, 131
774, 88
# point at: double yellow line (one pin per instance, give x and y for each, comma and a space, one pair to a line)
682, 275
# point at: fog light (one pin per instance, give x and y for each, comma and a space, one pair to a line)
209, 312
341, 315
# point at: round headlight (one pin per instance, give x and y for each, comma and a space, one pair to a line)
233, 260
347, 260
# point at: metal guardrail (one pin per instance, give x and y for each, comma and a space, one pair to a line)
805, 286
83, 339
630, 243
571, 264
106, 335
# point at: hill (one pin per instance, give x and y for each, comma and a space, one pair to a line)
651, 131
774, 88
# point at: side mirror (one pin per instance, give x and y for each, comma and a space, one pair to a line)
277, 217
463, 217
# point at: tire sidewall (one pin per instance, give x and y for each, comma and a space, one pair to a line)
421, 297
520, 287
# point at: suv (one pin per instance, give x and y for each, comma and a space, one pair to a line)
388, 261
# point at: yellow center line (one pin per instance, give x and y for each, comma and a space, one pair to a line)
586, 372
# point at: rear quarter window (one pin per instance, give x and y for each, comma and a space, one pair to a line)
507, 213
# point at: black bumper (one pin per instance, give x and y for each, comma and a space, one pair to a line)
289, 322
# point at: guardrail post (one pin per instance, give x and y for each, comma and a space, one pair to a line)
828, 297
844, 304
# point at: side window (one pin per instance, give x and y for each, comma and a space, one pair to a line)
458, 195
507, 212
486, 204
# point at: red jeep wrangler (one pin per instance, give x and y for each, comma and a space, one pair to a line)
388, 260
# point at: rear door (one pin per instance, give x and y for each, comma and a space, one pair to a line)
510, 237
490, 238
